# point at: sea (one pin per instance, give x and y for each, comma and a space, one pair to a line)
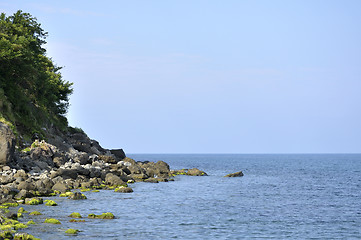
280, 196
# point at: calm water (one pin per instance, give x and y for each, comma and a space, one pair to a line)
280, 197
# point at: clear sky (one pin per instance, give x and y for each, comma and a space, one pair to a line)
194, 76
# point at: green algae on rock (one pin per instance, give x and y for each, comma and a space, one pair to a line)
10, 204
66, 194
76, 220
20, 225
50, 203
75, 215
22, 210
52, 221
24, 236
106, 215
34, 201
72, 231
77, 196
35, 213
30, 222
124, 190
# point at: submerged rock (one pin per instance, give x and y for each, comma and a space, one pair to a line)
236, 174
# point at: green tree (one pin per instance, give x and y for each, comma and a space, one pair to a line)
30, 83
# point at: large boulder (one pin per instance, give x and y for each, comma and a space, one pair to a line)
7, 144
118, 153
113, 180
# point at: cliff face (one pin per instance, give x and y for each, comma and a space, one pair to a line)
7, 144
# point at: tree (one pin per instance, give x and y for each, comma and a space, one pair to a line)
31, 83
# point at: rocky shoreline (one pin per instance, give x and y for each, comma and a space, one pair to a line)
65, 162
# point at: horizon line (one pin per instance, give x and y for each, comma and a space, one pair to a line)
252, 153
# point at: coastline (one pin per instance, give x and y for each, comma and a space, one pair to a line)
66, 165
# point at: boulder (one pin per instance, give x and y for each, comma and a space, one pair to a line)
77, 196
21, 174
24, 194
7, 144
82, 158
26, 186
236, 174
151, 180
113, 180
118, 153
196, 172
108, 159
124, 190
67, 173
61, 187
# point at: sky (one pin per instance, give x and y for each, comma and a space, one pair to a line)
194, 76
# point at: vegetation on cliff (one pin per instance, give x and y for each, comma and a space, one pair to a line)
33, 94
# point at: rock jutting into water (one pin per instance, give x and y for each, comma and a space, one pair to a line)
68, 161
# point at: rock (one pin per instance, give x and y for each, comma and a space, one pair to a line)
108, 159
82, 158
61, 187
6, 168
151, 180
33, 201
118, 153
236, 174
67, 173
59, 159
77, 196
7, 144
196, 172
22, 174
26, 186
7, 179
124, 190
129, 160
140, 176
107, 215
113, 180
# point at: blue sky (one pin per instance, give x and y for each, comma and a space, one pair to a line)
209, 76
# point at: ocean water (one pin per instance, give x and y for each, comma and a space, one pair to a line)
280, 197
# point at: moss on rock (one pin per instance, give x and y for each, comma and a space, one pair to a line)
21, 210
24, 236
106, 215
76, 220
75, 215
34, 201
66, 194
50, 203
72, 231
52, 221
30, 222
124, 190
10, 204
35, 213
19, 226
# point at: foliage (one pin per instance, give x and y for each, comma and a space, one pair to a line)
32, 91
